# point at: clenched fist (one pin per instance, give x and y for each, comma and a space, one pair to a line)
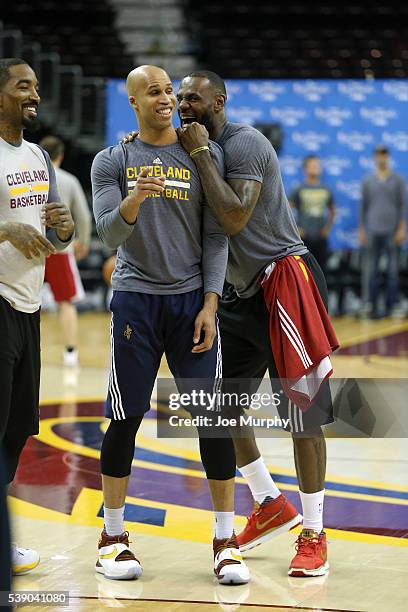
192, 136
58, 216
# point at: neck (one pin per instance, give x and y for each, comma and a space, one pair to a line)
218, 126
383, 171
13, 136
312, 180
158, 137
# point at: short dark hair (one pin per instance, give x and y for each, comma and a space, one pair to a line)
5, 64
308, 158
53, 145
381, 149
216, 81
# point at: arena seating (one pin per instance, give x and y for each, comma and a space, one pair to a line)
300, 40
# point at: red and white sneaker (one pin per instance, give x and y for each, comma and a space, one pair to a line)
269, 519
229, 567
311, 555
115, 559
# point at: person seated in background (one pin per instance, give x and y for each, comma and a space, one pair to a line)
315, 210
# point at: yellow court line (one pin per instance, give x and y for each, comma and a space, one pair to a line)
74, 398
181, 523
48, 436
366, 335
163, 447
159, 445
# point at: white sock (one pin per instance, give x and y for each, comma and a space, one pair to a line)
114, 520
259, 480
312, 506
224, 525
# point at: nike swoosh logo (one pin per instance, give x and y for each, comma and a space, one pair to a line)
262, 525
111, 555
236, 557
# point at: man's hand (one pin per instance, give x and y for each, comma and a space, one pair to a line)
27, 239
325, 231
145, 186
80, 250
205, 321
148, 185
58, 216
129, 137
192, 136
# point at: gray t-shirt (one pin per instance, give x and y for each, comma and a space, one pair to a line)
313, 203
271, 231
176, 244
383, 204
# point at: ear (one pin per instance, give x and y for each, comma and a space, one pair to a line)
133, 103
219, 102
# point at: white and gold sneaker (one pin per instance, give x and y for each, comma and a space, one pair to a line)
229, 567
115, 559
23, 560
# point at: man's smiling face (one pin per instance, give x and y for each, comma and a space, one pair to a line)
19, 98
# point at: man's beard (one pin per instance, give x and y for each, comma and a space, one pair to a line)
207, 120
32, 124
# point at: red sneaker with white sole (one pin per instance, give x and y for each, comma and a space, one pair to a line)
311, 555
269, 519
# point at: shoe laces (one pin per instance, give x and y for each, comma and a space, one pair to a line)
306, 546
257, 508
122, 538
227, 543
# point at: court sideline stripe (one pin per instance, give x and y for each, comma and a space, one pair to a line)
212, 603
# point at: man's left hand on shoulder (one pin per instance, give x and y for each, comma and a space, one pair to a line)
57, 215
192, 136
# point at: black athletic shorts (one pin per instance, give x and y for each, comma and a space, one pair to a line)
19, 371
247, 353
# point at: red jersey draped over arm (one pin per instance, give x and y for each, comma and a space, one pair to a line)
301, 334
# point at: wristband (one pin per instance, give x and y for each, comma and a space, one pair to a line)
198, 150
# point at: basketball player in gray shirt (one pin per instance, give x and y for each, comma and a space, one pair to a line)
252, 207
172, 253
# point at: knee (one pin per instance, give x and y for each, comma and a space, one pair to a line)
118, 447
218, 458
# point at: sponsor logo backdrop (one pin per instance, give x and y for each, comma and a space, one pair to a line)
341, 121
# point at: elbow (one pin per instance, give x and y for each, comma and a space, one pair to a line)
233, 226
106, 239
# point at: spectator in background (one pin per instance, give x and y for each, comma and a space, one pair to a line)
61, 270
315, 210
382, 228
